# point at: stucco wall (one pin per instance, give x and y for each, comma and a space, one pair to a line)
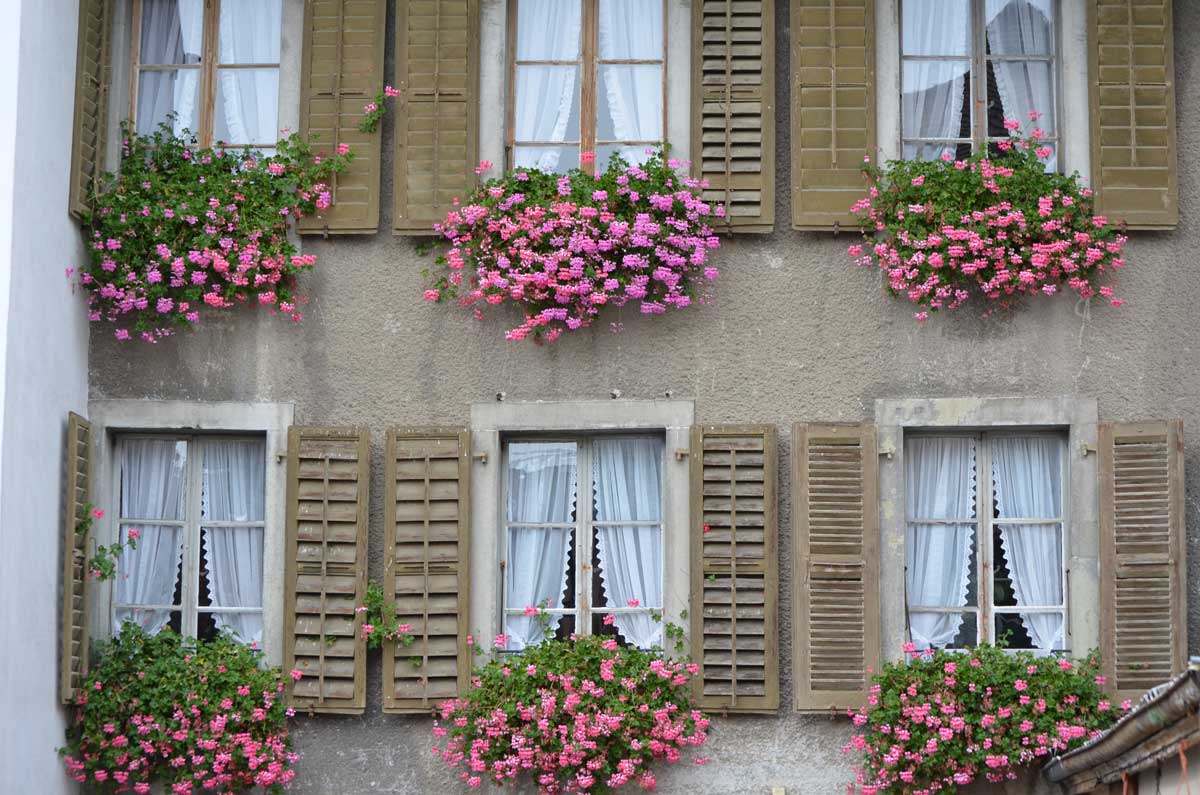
43, 368
796, 333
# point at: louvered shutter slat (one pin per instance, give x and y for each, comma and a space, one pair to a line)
735, 568
1133, 112
328, 478
74, 652
835, 480
343, 71
437, 62
1142, 564
91, 102
833, 109
733, 109
427, 538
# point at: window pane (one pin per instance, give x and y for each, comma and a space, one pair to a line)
629, 102
247, 109
547, 104
233, 480
936, 99
250, 31
934, 151
1020, 27
1027, 475
559, 159
151, 574
1015, 90
548, 30
936, 27
232, 576
631, 30
538, 573
633, 155
628, 478
172, 31
152, 478
651, 637
541, 482
161, 93
943, 630
152, 621
1040, 631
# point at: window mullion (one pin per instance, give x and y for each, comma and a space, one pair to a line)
587, 93
190, 582
208, 70
979, 76
983, 494
583, 536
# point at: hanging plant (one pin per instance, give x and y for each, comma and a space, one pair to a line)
180, 232
987, 228
564, 246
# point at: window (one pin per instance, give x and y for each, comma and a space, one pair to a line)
586, 75
214, 65
197, 505
967, 65
593, 558
985, 560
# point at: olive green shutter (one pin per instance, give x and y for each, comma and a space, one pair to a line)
833, 109
735, 567
1143, 583
835, 487
327, 479
343, 71
427, 543
91, 102
78, 490
1133, 112
437, 73
733, 109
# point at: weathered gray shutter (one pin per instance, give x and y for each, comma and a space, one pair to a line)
437, 73
327, 495
733, 109
735, 567
427, 543
835, 487
91, 102
342, 72
74, 655
1132, 71
1143, 572
833, 109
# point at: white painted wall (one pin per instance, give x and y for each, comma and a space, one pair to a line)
43, 374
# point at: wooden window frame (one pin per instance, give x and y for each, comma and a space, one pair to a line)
983, 609
208, 68
583, 535
588, 63
977, 82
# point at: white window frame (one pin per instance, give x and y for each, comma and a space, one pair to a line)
114, 419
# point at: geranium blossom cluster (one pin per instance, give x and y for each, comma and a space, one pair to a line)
181, 232
563, 247
380, 623
584, 715
184, 715
942, 720
990, 228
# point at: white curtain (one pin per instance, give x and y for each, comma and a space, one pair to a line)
633, 93
547, 30
1023, 27
541, 490
939, 484
629, 489
172, 33
1028, 479
152, 484
932, 100
233, 490
248, 99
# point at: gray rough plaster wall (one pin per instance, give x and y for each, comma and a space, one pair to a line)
797, 333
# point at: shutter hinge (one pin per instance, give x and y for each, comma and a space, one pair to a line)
481, 456
890, 452
280, 457
837, 227
681, 453
1085, 448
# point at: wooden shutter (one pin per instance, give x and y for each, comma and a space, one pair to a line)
1132, 83
91, 102
427, 542
437, 73
343, 71
833, 109
735, 567
1143, 585
328, 475
733, 109
835, 483
74, 661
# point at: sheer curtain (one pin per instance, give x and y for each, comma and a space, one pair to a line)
541, 490
939, 484
629, 489
1028, 474
172, 33
233, 490
547, 30
248, 99
1023, 27
152, 484
631, 29
932, 100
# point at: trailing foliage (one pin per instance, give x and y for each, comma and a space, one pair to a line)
379, 619
562, 247
190, 715
944, 719
985, 228
179, 232
103, 562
